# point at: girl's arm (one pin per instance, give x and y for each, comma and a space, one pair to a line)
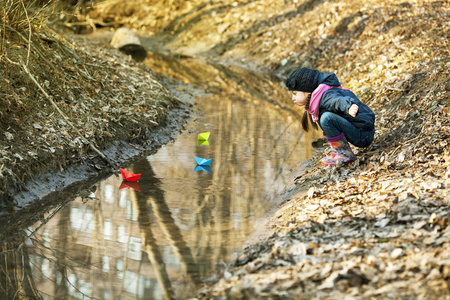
336, 103
339, 102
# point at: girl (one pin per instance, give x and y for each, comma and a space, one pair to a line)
341, 115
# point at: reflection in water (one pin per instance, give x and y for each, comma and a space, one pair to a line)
149, 242
129, 185
16, 276
162, 237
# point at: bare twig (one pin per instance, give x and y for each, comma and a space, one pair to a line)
45, 221
6, 78
395, 89
91, 22
3, 34
29, 31
10, 61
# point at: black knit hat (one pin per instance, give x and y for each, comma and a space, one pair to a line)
303, 80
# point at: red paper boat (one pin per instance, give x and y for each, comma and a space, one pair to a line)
129, 184
128, 176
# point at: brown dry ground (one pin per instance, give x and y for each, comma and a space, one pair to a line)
376, 228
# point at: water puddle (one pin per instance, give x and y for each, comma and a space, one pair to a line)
166, 235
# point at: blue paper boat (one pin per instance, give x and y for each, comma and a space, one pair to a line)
202, 161
203, 168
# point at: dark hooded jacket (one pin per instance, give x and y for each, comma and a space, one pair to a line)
338, 101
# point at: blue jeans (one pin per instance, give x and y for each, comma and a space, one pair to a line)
333, 125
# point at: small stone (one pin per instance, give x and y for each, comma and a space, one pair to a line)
9, 136
447, 86
396, 253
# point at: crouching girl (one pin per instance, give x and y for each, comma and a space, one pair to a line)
340, 114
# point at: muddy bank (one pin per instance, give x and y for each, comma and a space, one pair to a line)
87, 95
60, 186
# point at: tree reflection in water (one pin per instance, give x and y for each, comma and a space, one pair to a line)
16, 276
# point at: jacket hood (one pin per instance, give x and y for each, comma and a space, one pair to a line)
329, 79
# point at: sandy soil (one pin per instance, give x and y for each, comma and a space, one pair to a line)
377, 228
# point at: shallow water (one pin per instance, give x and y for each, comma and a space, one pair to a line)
178, 226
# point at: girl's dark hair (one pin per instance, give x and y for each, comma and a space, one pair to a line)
306, 118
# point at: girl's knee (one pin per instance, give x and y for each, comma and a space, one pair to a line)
326, 118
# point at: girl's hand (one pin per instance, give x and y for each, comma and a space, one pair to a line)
353, 110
